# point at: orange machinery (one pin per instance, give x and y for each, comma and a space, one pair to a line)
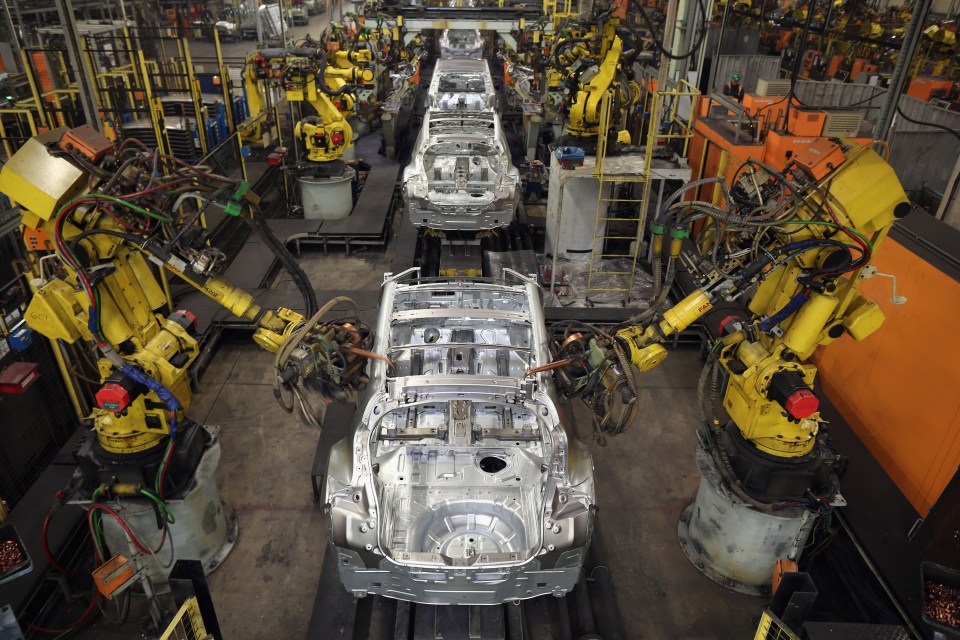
862, 65
927, 87
718, 147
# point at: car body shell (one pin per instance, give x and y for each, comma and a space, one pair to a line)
459, 482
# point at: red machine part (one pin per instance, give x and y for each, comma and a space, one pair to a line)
17, 377
802, 404
113, 397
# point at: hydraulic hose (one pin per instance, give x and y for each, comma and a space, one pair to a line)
322, 81
676, 195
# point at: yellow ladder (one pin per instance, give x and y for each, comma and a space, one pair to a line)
613, 239
619, 191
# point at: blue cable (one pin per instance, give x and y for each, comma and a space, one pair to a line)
788, 309
173, 404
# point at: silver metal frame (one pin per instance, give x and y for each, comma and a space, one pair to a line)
459, 482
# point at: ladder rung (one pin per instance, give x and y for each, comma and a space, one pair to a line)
599, 289
608, 219
637, 200
615, 255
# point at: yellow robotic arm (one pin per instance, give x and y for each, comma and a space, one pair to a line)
96, 217
824, 216
327, 87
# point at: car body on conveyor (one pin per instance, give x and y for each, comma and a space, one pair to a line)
461, 177
461, 43
459, 483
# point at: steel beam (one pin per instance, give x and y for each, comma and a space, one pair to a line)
901, 72
85, 84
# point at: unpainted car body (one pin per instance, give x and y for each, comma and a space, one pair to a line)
461, 176
461, 43
459, 483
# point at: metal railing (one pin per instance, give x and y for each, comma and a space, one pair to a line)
187, 624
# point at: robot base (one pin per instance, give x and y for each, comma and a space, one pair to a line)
327, 196
731, 541
206, 529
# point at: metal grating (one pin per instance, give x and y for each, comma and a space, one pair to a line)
771, 628
187, 624
842, 124
772, 88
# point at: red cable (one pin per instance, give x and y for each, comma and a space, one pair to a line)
137, 142
96, 596
123, 525
166, 465
159, 187
118, 220
46, 547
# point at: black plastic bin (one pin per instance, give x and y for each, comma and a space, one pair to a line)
8, 533
932, 572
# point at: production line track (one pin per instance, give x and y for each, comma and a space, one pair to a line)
589, 612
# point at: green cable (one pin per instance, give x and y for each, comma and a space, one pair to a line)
115, 200
97, 530
160, 503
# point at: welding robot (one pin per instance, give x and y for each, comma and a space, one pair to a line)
327, 82
791, 244
101, 224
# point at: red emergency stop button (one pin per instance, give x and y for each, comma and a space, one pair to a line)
113, 397
802, 404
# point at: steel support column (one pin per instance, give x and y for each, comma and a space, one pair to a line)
86, 87
901, 72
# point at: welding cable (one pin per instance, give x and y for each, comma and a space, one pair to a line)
45, 541
676, 195
701, 32
857, 237
124, 611
161, 477
299, 276
71, 260
161, 505
953, 132
207, 175
71, 627
126, 528
792, 306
